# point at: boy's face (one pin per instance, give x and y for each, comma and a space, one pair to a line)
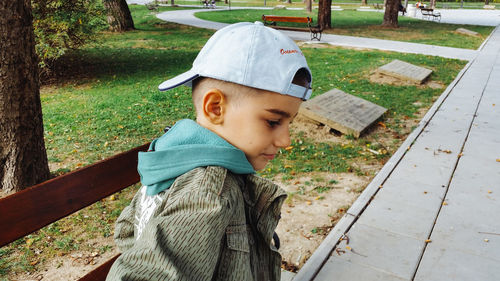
259, 125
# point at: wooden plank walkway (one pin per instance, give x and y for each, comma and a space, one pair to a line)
432, 212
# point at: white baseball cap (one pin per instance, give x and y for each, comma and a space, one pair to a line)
252, 55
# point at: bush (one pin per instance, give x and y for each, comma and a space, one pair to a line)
60, 25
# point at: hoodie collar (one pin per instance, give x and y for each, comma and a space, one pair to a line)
186, 146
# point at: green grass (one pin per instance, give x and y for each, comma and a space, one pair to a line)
103, 99
367, 24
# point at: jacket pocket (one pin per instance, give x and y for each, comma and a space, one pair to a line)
237, 238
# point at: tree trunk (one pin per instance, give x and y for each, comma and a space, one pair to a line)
391, 13
486, 2
432, 4
325, 14
364, 2
119, 17
309, 5
23, 160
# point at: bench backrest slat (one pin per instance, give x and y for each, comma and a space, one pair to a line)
100, 272
35, 207
286, 19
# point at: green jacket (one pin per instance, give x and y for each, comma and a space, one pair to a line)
211, 224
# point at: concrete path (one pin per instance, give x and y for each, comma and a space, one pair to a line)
469, 16
432, 212
187, 17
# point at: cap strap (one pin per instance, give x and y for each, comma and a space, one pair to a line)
299, 92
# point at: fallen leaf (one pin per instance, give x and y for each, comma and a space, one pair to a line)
444, 203
498, 159
288, 166
289, 148
29, 242
489, 191
381, 124
348, 248
428, 241
486, 240
308, 202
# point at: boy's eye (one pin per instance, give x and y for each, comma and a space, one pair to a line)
273, 123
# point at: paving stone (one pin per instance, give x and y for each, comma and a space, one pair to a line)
343, 270
405, 71
384, 251
451, 264
404, 217
342, 112
464, 226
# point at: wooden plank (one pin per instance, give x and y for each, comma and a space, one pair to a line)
42, 204
286, 19
100, 272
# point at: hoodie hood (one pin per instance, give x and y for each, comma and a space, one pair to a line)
186, 146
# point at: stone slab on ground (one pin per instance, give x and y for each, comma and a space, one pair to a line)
343, 112
466, 32
405, 71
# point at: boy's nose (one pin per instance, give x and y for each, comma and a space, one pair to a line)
283, 140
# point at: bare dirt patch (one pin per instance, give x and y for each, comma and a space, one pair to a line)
308, 215
72, 266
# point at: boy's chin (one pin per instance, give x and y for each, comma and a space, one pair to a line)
259, 166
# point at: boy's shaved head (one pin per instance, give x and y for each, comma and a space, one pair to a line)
235, 92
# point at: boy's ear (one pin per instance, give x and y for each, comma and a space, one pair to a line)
214, 106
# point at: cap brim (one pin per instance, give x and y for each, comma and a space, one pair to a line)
178, 80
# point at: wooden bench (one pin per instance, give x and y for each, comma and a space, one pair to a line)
35, 207
314, 30
429, 13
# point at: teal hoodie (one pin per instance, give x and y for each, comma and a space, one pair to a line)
186, 146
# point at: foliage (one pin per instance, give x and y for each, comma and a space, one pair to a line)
60, 25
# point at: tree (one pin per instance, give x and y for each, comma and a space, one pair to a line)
325, 14
308, 5
119, 17
23, 159
364, 2
61, 25
391, 13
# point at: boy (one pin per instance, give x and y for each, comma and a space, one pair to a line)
202, 214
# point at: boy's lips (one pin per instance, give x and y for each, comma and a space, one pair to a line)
269, 156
